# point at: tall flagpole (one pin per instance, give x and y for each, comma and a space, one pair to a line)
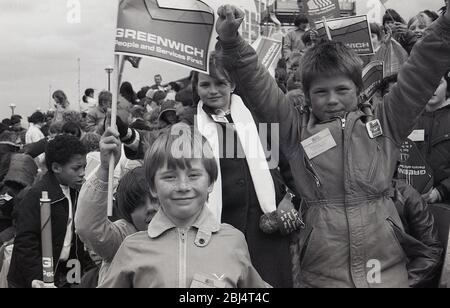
114, 90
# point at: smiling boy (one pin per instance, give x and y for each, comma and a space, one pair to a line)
342, 159
184, 245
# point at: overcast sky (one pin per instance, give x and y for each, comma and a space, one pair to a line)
40, 49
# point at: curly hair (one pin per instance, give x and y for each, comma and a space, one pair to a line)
92, 142
62, 149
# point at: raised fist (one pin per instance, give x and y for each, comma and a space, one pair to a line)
230, 19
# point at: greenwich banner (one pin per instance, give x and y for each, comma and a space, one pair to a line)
171, 30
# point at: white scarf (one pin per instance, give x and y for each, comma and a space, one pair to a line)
254, 154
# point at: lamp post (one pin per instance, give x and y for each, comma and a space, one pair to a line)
12, 106
109, 71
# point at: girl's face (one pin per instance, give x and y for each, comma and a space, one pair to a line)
420, 24
215, 93
143, 214
183, 193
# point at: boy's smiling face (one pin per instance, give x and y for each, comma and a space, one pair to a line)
183, 193
333, 97
72, 173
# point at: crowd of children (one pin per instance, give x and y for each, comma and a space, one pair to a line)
236, 179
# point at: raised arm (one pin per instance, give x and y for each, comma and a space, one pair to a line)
91, 219
255, 85
418, 80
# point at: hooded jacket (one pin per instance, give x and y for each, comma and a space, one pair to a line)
349, 214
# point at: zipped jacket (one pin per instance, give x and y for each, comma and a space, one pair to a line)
349, 240
207, 254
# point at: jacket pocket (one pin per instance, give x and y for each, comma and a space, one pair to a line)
397, 235
304, 244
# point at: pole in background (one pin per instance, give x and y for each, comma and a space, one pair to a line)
109, 71
46, 239
13, 107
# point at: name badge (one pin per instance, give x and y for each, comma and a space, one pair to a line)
319, 144
417, 136
374, 129
203, 282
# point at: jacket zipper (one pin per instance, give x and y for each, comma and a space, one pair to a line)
310, 168
375, 164
182, 258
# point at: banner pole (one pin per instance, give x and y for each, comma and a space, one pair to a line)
122, 67
113, 125
327, 29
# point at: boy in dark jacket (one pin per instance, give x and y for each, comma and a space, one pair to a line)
66, 162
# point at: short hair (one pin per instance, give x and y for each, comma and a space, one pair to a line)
6, 122
376, 29
72, 128
16, 119
185, 97
104, 97
89, 92
329, 59
72, 116
92, 142
132, 192
62, 149
177, 148
216, 70
9, 136
301, 19
37, 117
392, 15
309, 37
138, 112
159, 95
157, 75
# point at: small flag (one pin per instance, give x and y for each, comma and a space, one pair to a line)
134, 61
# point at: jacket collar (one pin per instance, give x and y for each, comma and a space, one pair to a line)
51, 185
206, 224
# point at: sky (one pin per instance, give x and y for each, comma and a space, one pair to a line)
42, 41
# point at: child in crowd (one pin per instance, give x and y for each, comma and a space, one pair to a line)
66, 161
135, 207
184, 245
433, 142
342, 159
